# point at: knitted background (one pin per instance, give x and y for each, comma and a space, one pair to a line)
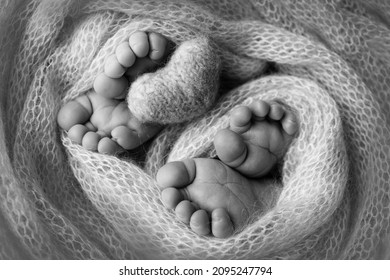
329, 61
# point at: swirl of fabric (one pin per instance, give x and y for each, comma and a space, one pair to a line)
329, 61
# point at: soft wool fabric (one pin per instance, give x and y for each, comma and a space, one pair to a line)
327, 60
185, 88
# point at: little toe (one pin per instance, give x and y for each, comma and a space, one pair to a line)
200, 222
90, 141
110, 87
230, 147
184, 211
276, 112
139, 43
221, 224
176, 174
290, 123
157, 46
108, 146
112, 67
125, 55
76, 133
240, 119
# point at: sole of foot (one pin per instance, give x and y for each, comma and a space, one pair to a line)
100, 120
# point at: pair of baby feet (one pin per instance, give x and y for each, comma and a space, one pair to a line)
211, 195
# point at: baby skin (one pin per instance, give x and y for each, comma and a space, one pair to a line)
100, 119
218, 196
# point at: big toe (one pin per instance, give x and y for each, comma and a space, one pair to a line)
110, 87
230, 147
176, 174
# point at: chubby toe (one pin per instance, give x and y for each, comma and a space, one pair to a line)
125, 137
230, 147
90, 141
139, 43
74, 112
200, 222
222, 225
110, 87
176, 174
260, 109
184, 211
240, 119
158, 45
112, 67
171, 197
77, 132
125, 55
108, 146
276, 112
290, 123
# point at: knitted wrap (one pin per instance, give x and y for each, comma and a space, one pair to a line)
329, 61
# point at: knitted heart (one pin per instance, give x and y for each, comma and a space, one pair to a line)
190, 90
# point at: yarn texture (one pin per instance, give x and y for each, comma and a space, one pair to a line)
185, 88
329, 61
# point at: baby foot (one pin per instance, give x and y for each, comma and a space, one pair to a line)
100, 120
143, 53
220, 195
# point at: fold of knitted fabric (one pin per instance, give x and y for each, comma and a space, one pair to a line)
329, 61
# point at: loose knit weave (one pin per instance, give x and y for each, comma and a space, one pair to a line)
329, 61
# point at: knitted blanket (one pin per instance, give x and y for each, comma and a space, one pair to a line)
329, 61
